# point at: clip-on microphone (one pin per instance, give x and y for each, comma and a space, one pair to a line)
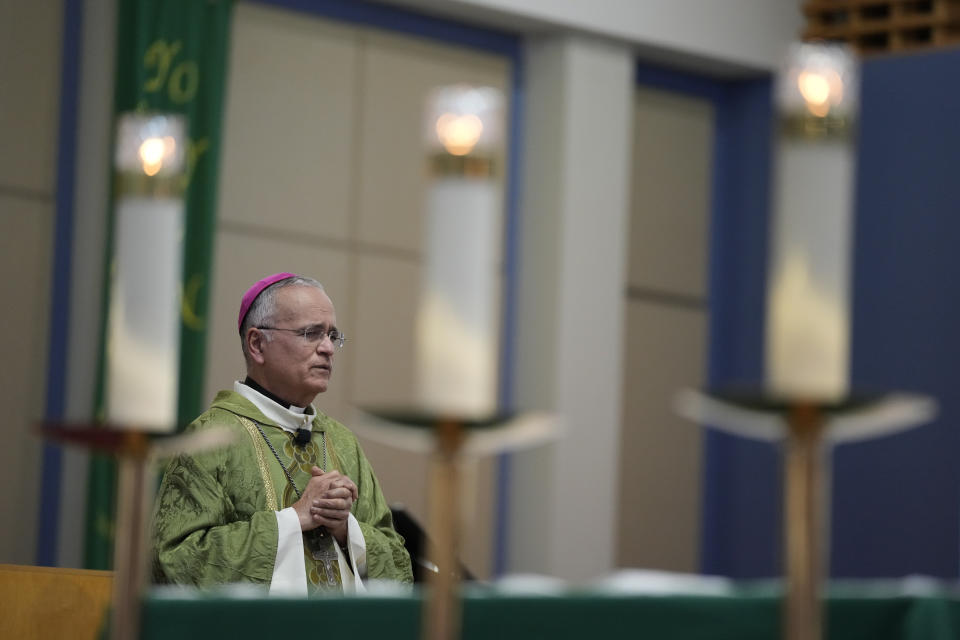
302, 437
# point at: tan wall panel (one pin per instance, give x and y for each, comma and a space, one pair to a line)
669, 229
26, 229
660, 456
242, 259
288, 132
386, 298
398, 74
29, 93
660, 459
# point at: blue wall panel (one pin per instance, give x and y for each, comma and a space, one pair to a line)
897, 500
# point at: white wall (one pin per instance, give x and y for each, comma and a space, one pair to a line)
570, 303
721, 36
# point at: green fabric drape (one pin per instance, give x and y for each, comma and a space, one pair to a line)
487, 614
171, 57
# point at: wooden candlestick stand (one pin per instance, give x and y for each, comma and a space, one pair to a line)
761, 416
803, 505
441, 619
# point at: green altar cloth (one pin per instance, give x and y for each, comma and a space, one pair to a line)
581, 617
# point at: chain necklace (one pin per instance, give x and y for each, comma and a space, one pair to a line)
323, 446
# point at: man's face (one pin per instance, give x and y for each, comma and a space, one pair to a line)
295, 369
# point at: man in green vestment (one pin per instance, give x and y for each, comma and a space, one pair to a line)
293, 504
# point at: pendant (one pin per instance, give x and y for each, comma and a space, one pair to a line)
328, 558
322, 551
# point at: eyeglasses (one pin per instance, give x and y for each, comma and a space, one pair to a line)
314, 334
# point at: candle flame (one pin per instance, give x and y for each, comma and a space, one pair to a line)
459, 134
820, 90
153, 151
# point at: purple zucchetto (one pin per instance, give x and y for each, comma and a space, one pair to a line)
256, 290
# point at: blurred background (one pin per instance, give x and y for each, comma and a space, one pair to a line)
634, 174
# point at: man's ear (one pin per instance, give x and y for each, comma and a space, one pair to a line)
255, 340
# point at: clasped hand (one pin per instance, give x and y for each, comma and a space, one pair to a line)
326, 502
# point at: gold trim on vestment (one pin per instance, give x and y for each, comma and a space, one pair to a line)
333, 462
442, 164
254, 434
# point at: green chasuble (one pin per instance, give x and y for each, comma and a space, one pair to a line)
215, 522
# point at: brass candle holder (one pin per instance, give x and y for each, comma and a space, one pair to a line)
807, 429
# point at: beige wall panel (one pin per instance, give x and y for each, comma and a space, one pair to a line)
398, 74
287, 146
29, 93
660, 455
669, 227
386, 298
26, 227
242, 259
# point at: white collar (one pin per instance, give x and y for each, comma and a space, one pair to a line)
287, 419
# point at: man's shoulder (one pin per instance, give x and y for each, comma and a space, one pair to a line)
226, 409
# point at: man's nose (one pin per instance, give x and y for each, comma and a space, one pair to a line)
325, 345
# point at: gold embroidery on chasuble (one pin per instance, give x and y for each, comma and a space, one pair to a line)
258, 446
320, 556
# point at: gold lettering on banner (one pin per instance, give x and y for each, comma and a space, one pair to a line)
159, 55
195, 149
181, 80
189, 300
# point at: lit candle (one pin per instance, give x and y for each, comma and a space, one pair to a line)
458, 316
808, 306
143, 324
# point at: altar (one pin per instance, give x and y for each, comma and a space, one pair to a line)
752, 613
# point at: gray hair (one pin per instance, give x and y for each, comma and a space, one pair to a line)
265, 306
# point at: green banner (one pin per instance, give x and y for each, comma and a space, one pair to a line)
171, 57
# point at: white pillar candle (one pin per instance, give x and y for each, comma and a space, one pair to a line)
143, 330
458, 316
808, 302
